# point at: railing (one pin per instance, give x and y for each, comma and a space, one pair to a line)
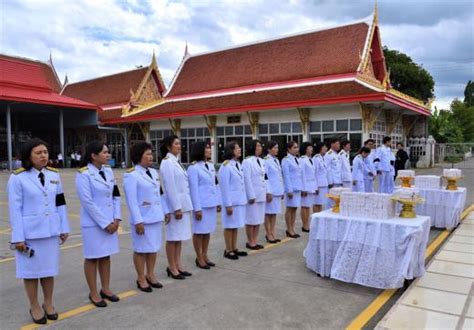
458, 155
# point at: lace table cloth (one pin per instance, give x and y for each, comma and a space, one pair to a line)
370, 252
444, 207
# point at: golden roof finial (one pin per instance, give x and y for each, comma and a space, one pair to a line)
376, 13
186, 52
153, 58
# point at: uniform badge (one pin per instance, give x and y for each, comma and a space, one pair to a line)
54, 181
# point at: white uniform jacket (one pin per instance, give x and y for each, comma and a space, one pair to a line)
204, 186
175, 184
36, 211
100, 199
359, 169
145, 202
320, 167
310, 183
292, 174
333, 164
346, 175
275, 185
254, 176
232, 184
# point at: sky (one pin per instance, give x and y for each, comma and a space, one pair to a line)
91, 38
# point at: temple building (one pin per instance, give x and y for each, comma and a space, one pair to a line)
311, 86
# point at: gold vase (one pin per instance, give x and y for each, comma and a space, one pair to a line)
452, 182
406, 181
408, 206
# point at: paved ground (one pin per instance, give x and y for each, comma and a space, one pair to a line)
268, 289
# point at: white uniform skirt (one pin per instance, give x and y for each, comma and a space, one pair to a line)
308, 200
368, 185
179, 230
295, 201
255, 213
236, 220
150, 241
347, 184
208, 222
274, 207
359, 187
321, 198
44, 263
98, 243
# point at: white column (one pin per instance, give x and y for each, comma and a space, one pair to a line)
9, 138
213, 133
61, 133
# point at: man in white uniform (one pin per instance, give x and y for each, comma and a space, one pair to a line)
386, 166
333, 164
344, 154
371, 174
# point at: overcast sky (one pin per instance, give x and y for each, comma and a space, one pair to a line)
90, 38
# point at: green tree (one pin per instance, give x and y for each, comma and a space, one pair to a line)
444, 128
408, 77
469, 93
463, 116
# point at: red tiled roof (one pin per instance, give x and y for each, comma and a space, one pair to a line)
322, 53
109, 89
107, 115
270, 99
26, 80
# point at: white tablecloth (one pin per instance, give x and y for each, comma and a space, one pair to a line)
444, 207
369, 252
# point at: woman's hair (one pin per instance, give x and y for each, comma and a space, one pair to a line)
166, 144
198, 150
137, 151
386, 139
345, 142
319, 146
290, 144
94, 147
270, 144
26, 151
229, 150
303, 147
253, 146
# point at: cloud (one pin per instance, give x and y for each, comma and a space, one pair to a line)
92, 38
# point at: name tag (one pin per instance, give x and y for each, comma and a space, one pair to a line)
145, 203
54, 181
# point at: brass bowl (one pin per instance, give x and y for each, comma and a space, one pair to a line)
452, 182
408, 206
406, 181
337, 200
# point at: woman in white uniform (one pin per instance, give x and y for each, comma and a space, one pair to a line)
275, 191
147, 210
292, 176
39, 224
310, 185
321, 171
205, 196
100, 218
176, 188
234, 199
360, 169
256, 191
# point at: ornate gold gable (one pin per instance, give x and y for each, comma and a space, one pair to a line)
148, 94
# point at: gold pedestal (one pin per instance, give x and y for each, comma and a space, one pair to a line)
408, 206
406, 181
452, 182
337, 200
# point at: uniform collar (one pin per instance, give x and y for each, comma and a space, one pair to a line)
141, 168
36, 172
171, 156
94, 169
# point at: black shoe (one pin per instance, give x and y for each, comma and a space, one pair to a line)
185, 273
173, 276
146, 289
230, 255
210, 264
292, 236
277, 240
260, 246
202, 267
271, 241
52, 317
101, 303
112, 298
250, 247
304, 230
156, 285
42, 320
240, 253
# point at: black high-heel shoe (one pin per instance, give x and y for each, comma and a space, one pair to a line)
42, 320
240, 253
292, 236
304, 230
112, 298
146, 289
100, 304
202, 267
210, 264
185, 273
156, 285
173, 276
52, 317
250, 247
231, 255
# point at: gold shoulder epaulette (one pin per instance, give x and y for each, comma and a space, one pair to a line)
225, 163
82, 169
19, 170
131, 169
194, 162
165, 158
248, 157
52, 169
267, 157
330, 151
106, 165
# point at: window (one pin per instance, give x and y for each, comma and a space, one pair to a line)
328, 125
263, 129
285, 127
274, 128
315, 126
296, 127
342, 125
233, 119
356, 124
